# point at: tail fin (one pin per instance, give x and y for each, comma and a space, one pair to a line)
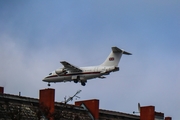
114, 57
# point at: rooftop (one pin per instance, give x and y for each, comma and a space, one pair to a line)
26, 108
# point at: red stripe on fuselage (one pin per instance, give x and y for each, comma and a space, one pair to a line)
83, 73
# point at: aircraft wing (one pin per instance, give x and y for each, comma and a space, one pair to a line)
70, 67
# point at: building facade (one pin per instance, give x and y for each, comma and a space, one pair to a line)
14, 107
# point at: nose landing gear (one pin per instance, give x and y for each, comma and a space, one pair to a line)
49, 84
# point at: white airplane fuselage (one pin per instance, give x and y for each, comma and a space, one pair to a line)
81, 74
87, 73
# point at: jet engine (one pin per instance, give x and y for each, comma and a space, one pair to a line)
60, 71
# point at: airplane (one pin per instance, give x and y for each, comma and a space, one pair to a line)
81, 74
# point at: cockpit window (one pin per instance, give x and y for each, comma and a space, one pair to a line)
50, 73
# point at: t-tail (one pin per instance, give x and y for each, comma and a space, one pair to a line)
114, 57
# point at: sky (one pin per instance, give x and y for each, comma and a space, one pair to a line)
36, 35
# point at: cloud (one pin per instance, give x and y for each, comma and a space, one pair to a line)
35, 36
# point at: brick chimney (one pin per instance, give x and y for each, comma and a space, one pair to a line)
1, 90
46, 99
92, 106
147, 113
168, 118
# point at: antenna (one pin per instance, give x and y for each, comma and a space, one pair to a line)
71, 98
139, 109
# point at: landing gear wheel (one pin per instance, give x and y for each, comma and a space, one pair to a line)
49, 84
83, 83
75, 81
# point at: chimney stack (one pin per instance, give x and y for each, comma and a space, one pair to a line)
147, 113
92, 106
1, 90
168, 118
46, 100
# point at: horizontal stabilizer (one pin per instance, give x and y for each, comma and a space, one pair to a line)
127, 53
117, 50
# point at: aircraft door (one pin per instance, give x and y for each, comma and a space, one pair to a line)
101, 69
96, 69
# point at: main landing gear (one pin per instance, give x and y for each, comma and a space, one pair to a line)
76, 81
49, 84
83, 83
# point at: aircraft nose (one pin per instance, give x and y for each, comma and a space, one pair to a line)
45, 80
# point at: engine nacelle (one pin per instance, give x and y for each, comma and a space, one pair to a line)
59, 71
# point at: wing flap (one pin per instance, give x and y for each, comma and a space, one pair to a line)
70, 67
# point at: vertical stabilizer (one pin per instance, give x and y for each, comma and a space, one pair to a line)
114, 57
